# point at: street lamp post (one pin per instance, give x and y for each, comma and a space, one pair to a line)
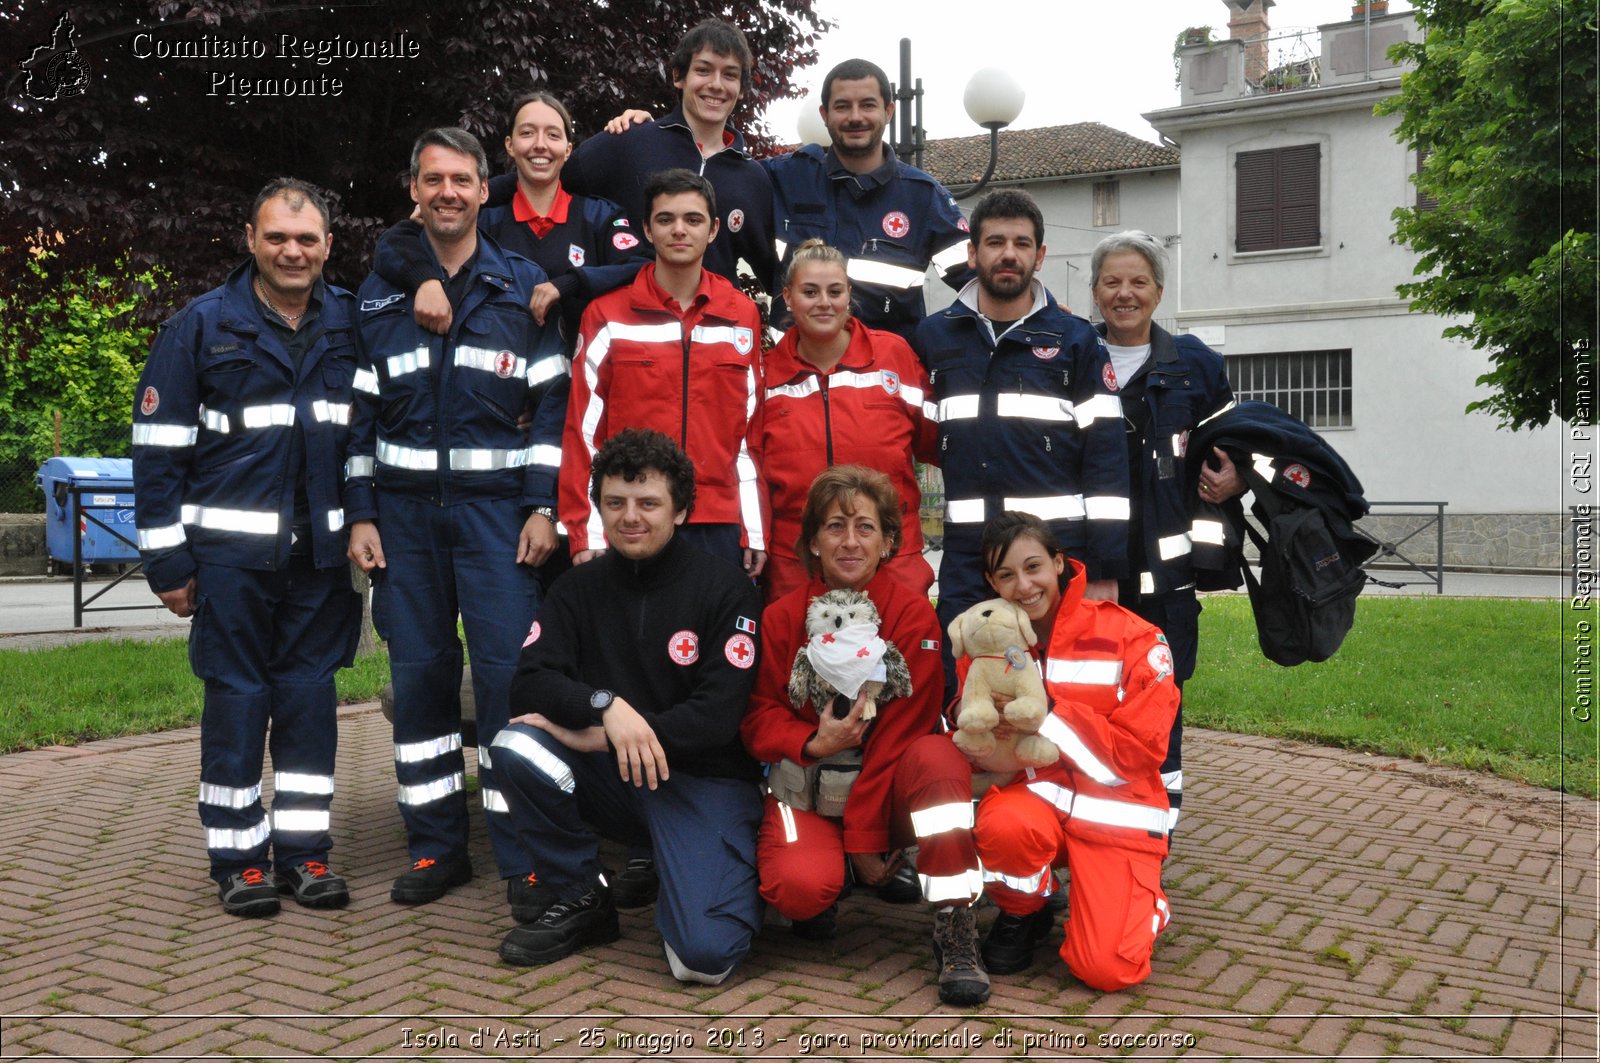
993, 100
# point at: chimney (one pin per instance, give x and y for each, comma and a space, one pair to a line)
1247, 22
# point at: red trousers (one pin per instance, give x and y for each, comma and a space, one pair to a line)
801, 857
1117, 906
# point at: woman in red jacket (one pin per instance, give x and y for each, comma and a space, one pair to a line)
905, 791
840, 393
1102, 808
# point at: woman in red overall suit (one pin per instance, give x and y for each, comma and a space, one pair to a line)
1102, 807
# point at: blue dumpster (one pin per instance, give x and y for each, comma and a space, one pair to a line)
104, 487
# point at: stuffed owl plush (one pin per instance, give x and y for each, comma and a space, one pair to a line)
843, 654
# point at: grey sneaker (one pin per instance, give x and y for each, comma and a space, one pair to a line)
250, 893
962, 980
314, 885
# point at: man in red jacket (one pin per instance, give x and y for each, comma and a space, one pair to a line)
678, 351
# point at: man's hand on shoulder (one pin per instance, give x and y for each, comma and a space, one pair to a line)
627, 119
431, 307
640, 758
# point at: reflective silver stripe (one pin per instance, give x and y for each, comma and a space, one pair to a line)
240, 840
359, 466
234, 797
1231, 404
1120, 814
1172, 546
494, 801
781, 247
1105, 507
215, 421
750, 496
1206, 531
926, 822
545, 454
488, 361
485, 760
958, 407
335, 519
1263, 466
1094, 673
165, 435
950, 257
1057, 507
548, 764
671, 331
331, 412
409, 362
427, 749
930, 410
285, 782
811, 385
1172, 781
546, 369
791, 833
1022, 884
481, 459
1034, 407
720, 334
1053, 794
884, 274
272, 415
1164, 915
407, 457
1064, 738
162, 538
300, 820
966, 886
963, 511
1172, 820
366, 382
428, 792
250, 522
1177, 445
1098, 408
1147, 583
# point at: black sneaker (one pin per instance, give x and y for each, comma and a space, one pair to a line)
823, 926
314, 885
564, 928
1012, 939
637, 885
528, 897
430, 879
904, 888
249, 893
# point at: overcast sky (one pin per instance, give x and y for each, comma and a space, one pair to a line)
1077, 61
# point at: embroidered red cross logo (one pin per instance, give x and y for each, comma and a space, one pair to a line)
504, 364
739, 650
684, 647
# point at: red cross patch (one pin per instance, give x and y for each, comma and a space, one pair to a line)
575, 254
150, 402
891, 381
1160, 658
624, 241
735, 220
684, 647
1298, 475
1109, 375
1044, 354
1183, 442
896, 224
533, 635
740, 651
504, 364
743, 340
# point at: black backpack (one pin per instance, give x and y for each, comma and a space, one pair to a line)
1311, 574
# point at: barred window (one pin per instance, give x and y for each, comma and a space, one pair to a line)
1278, 198
1425, 202
1312, 385
1107, 203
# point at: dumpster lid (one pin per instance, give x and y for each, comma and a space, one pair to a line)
112, 472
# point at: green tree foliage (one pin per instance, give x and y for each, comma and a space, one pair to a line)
1502, 96
70, 373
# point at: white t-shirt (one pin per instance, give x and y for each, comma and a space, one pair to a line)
1125, 361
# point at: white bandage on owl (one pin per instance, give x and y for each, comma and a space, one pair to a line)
848, 658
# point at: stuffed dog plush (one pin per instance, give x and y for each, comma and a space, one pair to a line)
996, 636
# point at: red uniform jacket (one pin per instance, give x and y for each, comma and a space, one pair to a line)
774, 729
642, 361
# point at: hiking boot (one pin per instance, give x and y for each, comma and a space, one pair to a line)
528, 897
314, 885
637, 885
823, 926
249, 893
564, 928
962, 980
903, 888
1011, 941
430, 879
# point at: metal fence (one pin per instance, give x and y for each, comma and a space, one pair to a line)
25, 447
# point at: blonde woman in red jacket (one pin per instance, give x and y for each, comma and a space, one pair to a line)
836, 393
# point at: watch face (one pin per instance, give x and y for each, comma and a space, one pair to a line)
600, 699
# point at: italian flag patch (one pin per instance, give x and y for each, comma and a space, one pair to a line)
930, 644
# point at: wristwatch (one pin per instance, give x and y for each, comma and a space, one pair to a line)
599, 702
546, 512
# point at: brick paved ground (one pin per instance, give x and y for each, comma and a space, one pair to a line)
1326, 905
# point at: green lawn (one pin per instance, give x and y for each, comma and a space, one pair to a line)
1472, 682
105, 689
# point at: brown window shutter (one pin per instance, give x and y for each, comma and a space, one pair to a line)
1257, 173
1279, 198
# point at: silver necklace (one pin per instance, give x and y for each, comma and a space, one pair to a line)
290, 319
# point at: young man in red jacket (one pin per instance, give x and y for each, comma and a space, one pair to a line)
678, 351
